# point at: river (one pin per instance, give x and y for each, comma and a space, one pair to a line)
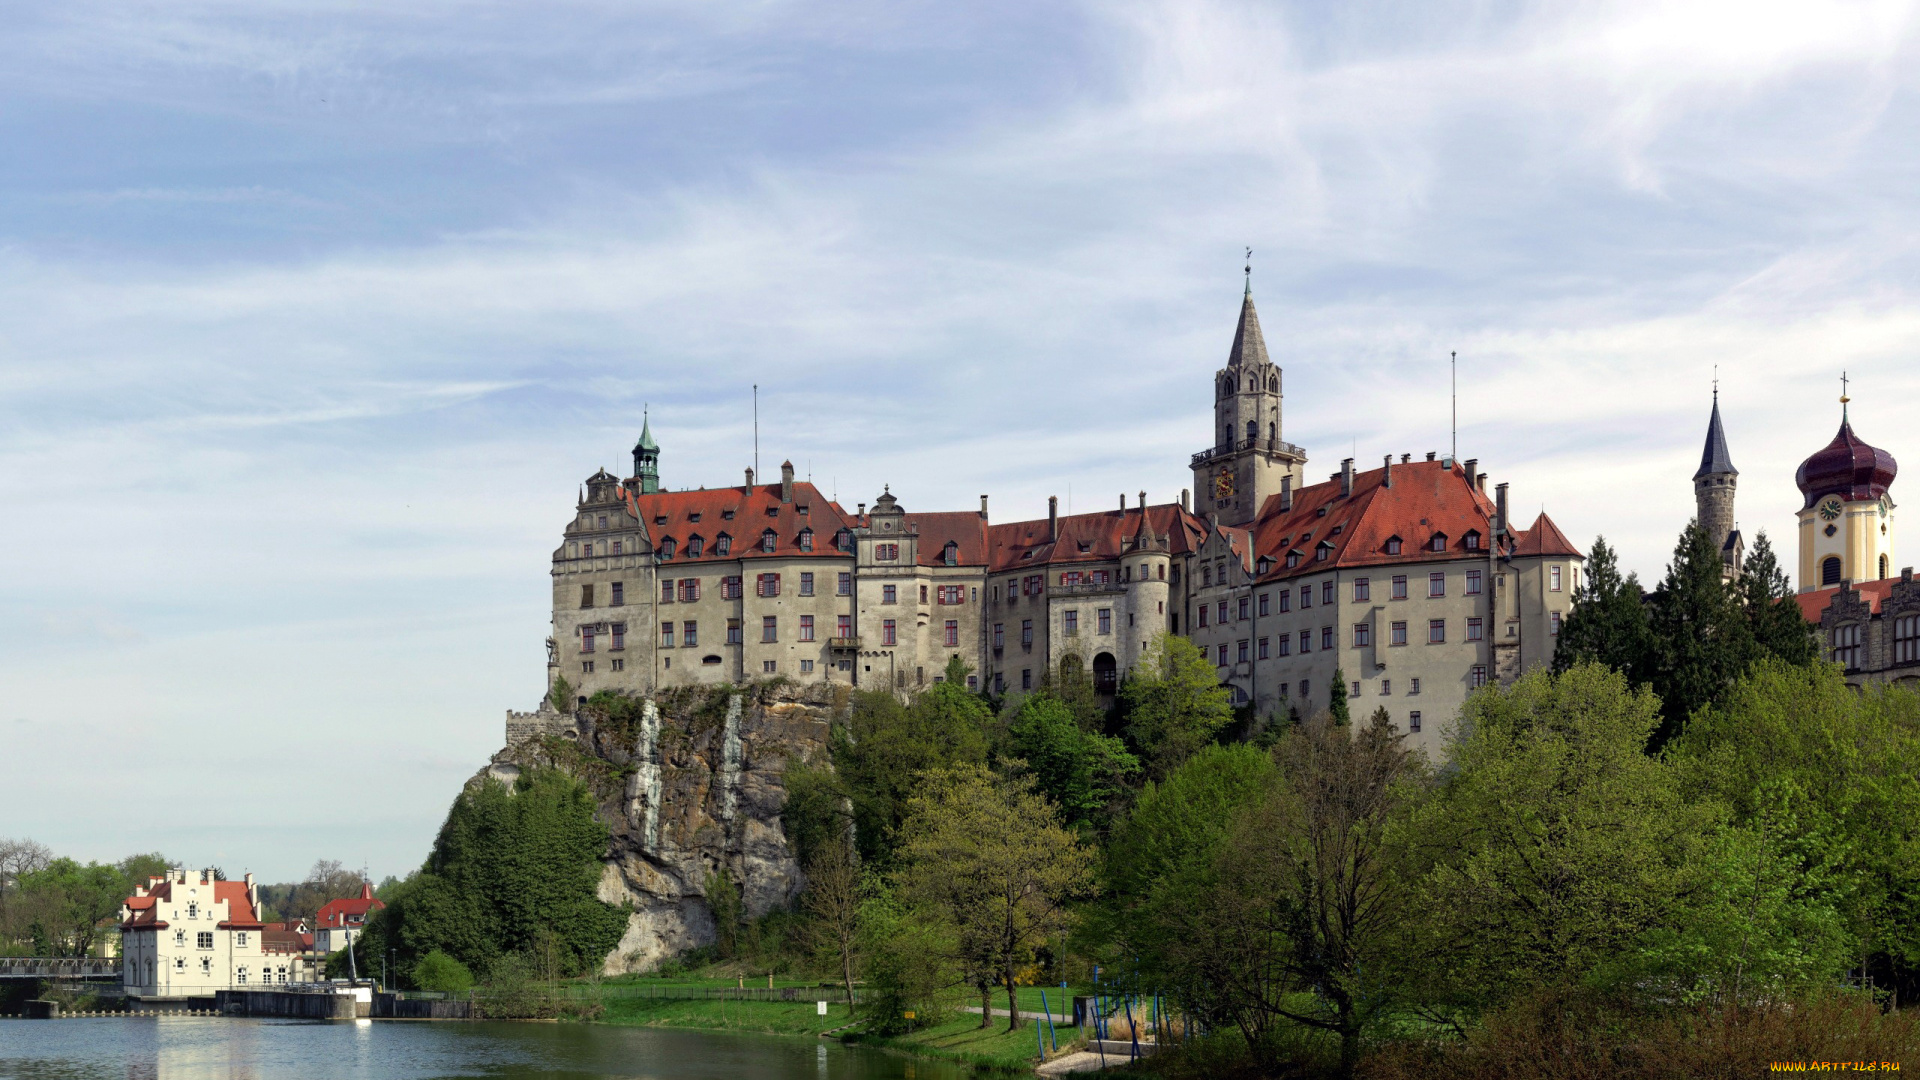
216, 1048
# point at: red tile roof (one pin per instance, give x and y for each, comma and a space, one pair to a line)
1106, 535
1875, 593
335, 912
754, 512
1428, 498
967, 531
144, 911
1545, 538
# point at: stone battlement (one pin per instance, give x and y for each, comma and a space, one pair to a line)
546, 720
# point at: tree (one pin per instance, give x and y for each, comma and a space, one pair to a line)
63, 905
832, 902
1703, 641
438, 971
884, 746
1173, 704
1556, 842
1314, 883
328, 880
1778, 626
1080, 770
1337, 700
723, 900
988, 856
1608, 624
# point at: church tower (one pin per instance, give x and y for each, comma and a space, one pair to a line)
646, 460
1713, 487
1846, 523
1248, 458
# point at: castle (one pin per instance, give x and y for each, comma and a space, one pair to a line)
1409, 582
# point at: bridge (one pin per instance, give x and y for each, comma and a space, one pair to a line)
92, 968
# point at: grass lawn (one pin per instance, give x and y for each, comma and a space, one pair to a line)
963, 1039
762, 1017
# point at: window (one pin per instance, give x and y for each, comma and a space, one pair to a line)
722, 544
1202, 612
950, 555
1206, 576
690, 633
1436, 585
1105, 616
889, 594
666, 590
1477, 677
952, 594
1906, 639
586, 596
769, 666
887, 632
1553, 623
1285, 643
923, 594
1393, 545
1026, 633
1243, 608
1070, 621
886, 552
240, 939
770, 628
1472, 541
845, 626
1322, 551
806, 539
1473, 583
1293, 559
1306, 597
695, 546
1286, 599
843, 540
619, 636
1326, 591
1242, 651
1326, 638
666, 548
1036, 584
1098, 577
999, 636
1413, 686
1262, 654
1354, 689
1846, 645
730, 587
666, 635
1386, 687
1436, 631
806, 628
206, 964
1026, 678
1438, 543
1362, 635
1221, 654
1306, 688
1362, 589
733, 632
767, 585
180, 937
845, 587
1264, 605
1553, 579
1222, 609
689, 589
240, 976
1829, 571
1399, 586
619, 593
769, 540
1306, 641
1413, 720
806, 583
586, 646
953, 633
1476, 630
806, 667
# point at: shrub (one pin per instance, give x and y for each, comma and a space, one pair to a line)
438, 971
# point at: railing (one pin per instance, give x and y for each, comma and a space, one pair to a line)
1276, 446
59, 967
843, 643
1089, 589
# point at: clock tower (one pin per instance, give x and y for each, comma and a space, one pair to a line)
1248, 458
1846, 521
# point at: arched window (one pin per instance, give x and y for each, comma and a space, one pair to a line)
769, 540
806, 539
1253, 430
722, 544
1883, 567
695, 545
1830, 570
1273, 433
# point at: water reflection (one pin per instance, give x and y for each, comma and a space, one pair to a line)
209, 1048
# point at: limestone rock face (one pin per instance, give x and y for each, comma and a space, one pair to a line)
687, 783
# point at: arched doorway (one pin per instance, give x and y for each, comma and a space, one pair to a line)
1106, 674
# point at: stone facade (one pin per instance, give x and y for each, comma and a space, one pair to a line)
1871, 629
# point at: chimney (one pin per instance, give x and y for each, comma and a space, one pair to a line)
1123, 502
1406, 459
1386, 472
1053, 519
1143, 502
1431, 454
863, 510
1184, 494
1500, 510
749, 481
983, 507
1346, 476
1286, 492
1480, 483
786, 481
1472, 464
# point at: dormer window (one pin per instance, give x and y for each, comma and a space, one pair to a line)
1322, 512
722, 544
1337, 530
1293, 559
773, 511
1085, 547
1472, 540
726, 515
950, 555
1438, 543
1265, 564
666, 548
803, 509
659, 519
843, 540
769, 540
695, 518
1323, 551
806, 539
695, 545
1393, 545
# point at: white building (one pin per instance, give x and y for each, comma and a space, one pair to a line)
187, 935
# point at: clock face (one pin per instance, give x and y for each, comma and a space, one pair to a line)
1830, 509
1223, 484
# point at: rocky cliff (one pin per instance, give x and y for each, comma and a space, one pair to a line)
688, 782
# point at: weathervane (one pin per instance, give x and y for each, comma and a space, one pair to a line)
1843, 395
1249, 271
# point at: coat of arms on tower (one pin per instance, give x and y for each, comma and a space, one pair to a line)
1223, 484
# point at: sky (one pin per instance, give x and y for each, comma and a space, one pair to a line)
314, 316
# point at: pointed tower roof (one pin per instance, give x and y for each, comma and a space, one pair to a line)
1249, 348
1715, 459
646, 435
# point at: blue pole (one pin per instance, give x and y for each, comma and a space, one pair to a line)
1131, 1032
1052, 1034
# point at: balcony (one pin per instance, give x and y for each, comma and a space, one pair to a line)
1271, 446
1086, 589
843, 644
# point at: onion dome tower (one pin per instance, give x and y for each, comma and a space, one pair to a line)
1846, 521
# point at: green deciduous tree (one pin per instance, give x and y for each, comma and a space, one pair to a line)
988, 857
884, 746
438, 971
1080, 770
1173, 704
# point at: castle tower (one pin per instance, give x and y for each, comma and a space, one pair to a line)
1145, 562
1846, 523
1713, 488
646, 460
1248, 457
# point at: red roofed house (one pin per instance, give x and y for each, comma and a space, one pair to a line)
340, 921
187, 934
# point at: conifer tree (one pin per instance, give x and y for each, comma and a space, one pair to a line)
1337, 699
1702, 641
1608, 624
1773, 616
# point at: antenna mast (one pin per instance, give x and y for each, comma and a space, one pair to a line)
756, 431
1453, 388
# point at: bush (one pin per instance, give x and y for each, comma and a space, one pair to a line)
438, 971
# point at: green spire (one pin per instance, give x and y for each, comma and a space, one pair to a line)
646, 458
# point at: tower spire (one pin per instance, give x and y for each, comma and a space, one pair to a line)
1249, 292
